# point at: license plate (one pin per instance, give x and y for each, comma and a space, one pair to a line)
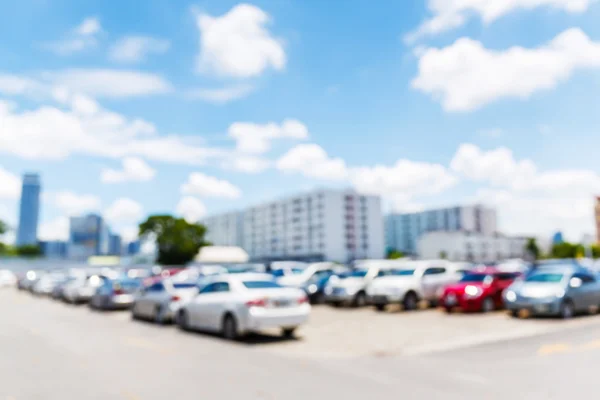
338, 291
281, 303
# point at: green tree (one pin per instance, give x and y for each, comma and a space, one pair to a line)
30, 250
565, 250
178, 241
394, 254
532, 248
596, 250
3, 227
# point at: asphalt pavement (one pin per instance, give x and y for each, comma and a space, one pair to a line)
49, 350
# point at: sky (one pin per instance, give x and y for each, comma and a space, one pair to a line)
197, 108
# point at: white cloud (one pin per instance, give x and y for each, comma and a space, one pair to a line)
124, 211
407, 178
17, 85
82, 37
245, 163
10, 185
134, 170
56, 229
238, 44
133, 49
85, 128
311, 160
191, 209
221, 95
256, 138
109, 82
466, 76
203, 185
531, 201
449, 14
129, 233
71, 204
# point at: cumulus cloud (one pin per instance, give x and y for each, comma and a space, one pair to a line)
450, 14
530, 200
203, 185
313, 161
134, 170
10, 185
246, 163
256, 138
82, 37
221, 95
133, 49
466, 76
238, 43
124, 211
55, 229
191, 208
71, 203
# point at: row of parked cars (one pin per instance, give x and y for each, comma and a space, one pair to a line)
238, 299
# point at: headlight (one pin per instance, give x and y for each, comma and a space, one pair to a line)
473, 291
312, 288
511, 296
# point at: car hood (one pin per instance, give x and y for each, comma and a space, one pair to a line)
292, 280
537, 290
394, 281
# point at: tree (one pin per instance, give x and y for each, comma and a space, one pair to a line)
178, 241
29, 250
3, 227
565, 250
443, 255
394, 254
532, 248
596, 250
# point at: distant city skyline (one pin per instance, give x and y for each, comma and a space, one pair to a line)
29, 210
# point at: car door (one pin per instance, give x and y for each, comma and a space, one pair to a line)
587, 292
432, 281
199, 308
146, 303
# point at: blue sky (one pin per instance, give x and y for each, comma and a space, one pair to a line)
202, 107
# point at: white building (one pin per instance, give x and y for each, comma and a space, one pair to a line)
335, 225
402, 231
225, 229
466, 246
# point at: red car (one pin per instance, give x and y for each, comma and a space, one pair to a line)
478, 290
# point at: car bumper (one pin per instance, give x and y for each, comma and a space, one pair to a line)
258, 319
339, 298
122, 301
464, 304
540, 307
384, 299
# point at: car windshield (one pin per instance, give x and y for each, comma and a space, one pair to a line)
476, 278
290, 271
546, 277
261, 285
359, 273
400, 272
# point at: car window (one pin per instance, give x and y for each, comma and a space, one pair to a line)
184, 285
545, 277
261, 285
434, 271
221, 287
157, 287
210, 288
585, 278
506, 276
476, 278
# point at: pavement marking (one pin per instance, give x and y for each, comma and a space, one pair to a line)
548, 349
130, 396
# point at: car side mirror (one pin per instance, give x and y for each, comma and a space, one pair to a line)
575, 282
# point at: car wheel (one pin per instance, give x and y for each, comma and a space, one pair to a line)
411, 301
448, 310
229, 328
567, 309
487, 305
336, 304
514, 313
134, 314
288, 333
183, 320
380, 307
360, 300
319, 298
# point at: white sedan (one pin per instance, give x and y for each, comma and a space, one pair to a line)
241, 303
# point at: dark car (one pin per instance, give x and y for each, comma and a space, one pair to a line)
116, 294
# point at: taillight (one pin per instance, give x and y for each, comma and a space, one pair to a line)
175, 298
119, 292
303, 300
256, 303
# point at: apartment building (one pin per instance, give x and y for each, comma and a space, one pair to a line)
335, 225
402, 231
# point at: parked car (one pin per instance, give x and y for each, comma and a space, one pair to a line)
240, 303
315, 286
82, 288
59, 288
350, 288
161, 301
45, 285
115, 294
29, 279
298, 279
480, 290
419, 280
7, 278
561, 289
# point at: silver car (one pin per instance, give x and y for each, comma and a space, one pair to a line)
554, 290
162, 300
